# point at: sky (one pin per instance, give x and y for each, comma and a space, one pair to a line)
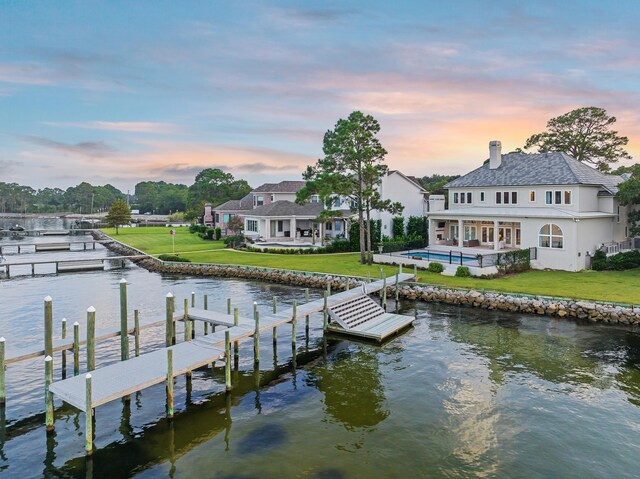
119, 92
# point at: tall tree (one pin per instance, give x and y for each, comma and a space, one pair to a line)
215, 186
119, 214
628, 195
353, 166
584, 134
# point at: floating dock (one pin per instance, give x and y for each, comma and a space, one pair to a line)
40, 247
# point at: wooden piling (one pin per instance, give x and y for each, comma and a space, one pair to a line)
136, 332
64, 352
384, 294
227, 357
368, 276
275, 330
415, 272
206, 306
325, 312
236, 346
229, 306
76, 348
48, 326
256, 334
91, 338
397, 288
329, 287
88, 433
294, 323
48, 397
170, 383
169, 320
124, 336
348, 280
381, 273
3, 392
193, 299
306, 300
187, 322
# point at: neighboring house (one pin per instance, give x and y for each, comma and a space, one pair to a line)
406, 190
220, 215
282, 220
550, 201
272, 192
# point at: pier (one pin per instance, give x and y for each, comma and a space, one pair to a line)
42, 232
42, 247
70, 265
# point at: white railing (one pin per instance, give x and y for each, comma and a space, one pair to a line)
615, 247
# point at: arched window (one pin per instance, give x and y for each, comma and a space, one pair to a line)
550, 236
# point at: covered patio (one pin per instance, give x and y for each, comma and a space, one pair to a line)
474, 234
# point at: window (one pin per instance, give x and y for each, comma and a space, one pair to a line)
258, 200
453, 230
482, 196
226, 217
280, 226
463, 198
506, 197
532, 196
548, 197
338, 201
455, 198
514, 197
337, 226
329, 226
550, 236
567, 197
273, 198
498, 197
252, 225
469, 197
618, 215
217, 218
315, 199
558, 195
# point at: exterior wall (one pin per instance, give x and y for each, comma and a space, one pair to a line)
396, 188
218, 219
273, 197
565, 258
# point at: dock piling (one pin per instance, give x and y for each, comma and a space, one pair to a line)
397, 288
124, 337
294, 324
48, 397
170, 383
256, 334
275, 329
64, 352
206, 306
88, 446
193, 299
236, 346
136, 332
169, 320
306, 300
325, 313
187, 322
48, 326
415, 272
229, 306
76, 348
3, 392
227, 362
384, 294
91, 338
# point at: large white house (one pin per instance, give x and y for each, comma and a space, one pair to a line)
405, 190
550, 201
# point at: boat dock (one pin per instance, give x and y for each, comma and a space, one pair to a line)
69, 232
40, 247
70, 265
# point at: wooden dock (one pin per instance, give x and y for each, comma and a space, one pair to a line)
123, 378
71, 265
43, 232
40, 247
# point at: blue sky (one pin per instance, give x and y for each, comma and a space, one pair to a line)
117, 92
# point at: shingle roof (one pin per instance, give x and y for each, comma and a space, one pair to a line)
288, 208
243, 204
282, 187
522, 169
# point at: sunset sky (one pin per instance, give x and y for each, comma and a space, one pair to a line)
118, 92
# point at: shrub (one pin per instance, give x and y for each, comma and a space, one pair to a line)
193, 228
232, 241
463, 272
210, 234
619, 262
218, 233
397, 226
436, 267
174, 258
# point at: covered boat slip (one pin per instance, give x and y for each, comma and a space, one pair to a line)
123, 378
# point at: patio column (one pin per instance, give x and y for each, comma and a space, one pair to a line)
292, 227
432, 232
460, 233
267, 227
496, 239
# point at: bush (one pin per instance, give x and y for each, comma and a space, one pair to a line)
232, 241
435, 267
193, 228
397, 226
210, 234
463, 272
619, 262
174, 258
218, 233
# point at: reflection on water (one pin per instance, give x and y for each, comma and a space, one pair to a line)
466, 393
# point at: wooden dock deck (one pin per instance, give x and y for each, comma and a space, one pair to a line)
70, 265
123, 378
41, 247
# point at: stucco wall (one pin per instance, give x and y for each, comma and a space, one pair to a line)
396, 188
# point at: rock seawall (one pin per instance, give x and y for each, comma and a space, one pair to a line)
556, 307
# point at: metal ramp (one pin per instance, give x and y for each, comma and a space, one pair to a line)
356, 311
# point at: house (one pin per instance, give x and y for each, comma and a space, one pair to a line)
406, 190
550, 201
219, 216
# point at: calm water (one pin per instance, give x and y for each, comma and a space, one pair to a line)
465, 393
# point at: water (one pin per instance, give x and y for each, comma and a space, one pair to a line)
465, 393
442, 257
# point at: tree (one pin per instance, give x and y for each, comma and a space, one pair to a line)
352, 167
584, 134
215, 186
119, 214
434, 184
629, 194
235, 225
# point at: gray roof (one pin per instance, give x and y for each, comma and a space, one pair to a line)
243, 204
523, 169
282, 187
288, 208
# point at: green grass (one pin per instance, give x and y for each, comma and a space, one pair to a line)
615, 286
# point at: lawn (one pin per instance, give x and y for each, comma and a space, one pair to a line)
617, 286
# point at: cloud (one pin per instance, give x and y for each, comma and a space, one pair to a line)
123, 126
92, 149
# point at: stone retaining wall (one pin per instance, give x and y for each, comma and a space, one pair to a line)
562, 308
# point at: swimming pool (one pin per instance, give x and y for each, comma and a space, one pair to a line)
454, 258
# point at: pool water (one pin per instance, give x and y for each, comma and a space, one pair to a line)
441, 257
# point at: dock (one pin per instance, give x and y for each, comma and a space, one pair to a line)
123, 378
42, 232
71, 265
40, 247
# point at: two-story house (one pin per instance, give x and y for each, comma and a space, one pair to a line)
550, 201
